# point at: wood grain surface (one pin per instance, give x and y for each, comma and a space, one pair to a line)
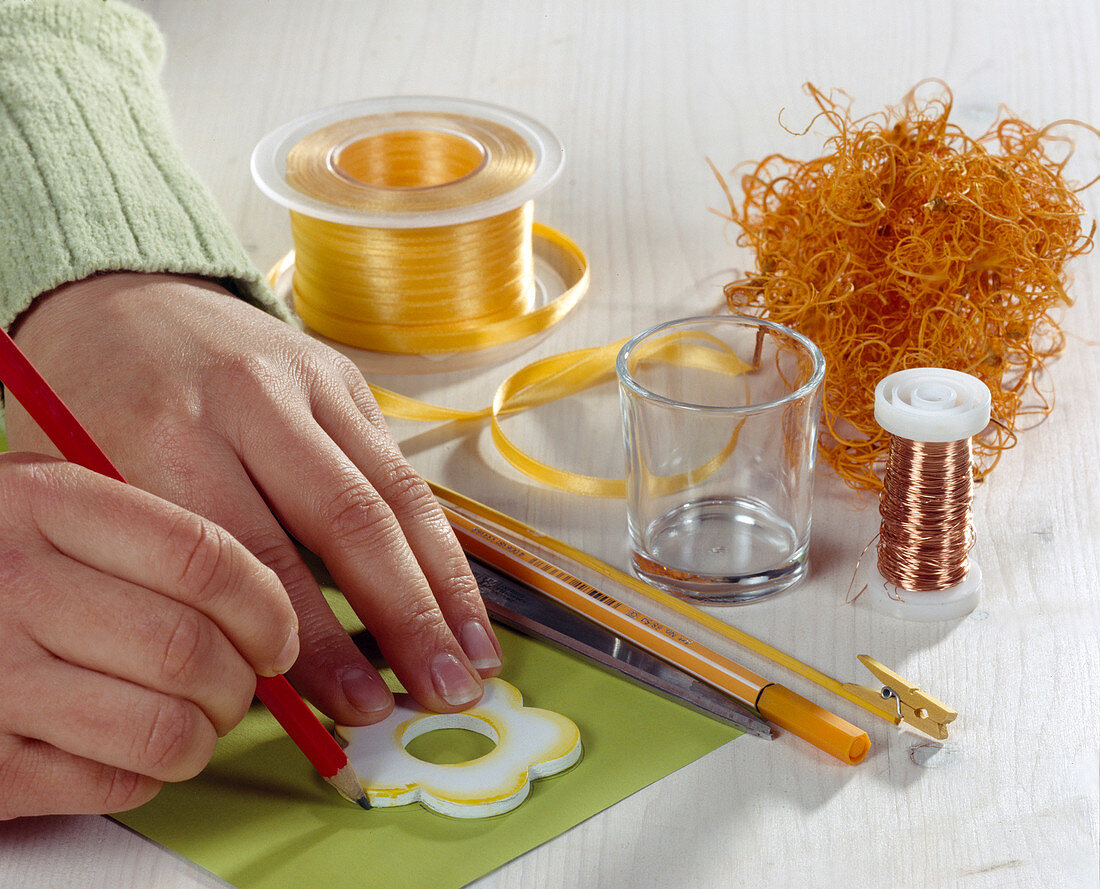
642, 94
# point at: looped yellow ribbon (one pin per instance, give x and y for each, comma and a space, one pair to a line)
564, 374
540, 382
567, 373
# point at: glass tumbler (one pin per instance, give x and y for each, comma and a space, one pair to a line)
720, 417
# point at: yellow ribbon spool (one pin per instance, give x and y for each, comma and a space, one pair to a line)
413, 229
413, 223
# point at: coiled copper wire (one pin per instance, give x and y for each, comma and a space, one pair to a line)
926, 533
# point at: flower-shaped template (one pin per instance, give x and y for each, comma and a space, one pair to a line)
530, 743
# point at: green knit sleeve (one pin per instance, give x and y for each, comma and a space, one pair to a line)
91, 178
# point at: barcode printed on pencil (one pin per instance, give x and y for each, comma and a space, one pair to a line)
579, 584
575, 582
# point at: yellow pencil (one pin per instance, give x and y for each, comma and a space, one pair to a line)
778, 704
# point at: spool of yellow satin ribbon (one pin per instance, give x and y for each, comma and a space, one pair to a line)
413, 229
413, 223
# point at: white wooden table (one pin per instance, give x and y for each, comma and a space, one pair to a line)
642, 94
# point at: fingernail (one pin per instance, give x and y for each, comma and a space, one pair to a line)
455, 684
286, 658
365, 692
478, 646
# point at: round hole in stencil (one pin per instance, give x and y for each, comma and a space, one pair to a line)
450, 739
409, 158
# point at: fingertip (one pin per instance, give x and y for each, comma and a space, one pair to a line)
127, 791
481, 648
489, 672
288, 654
453, 681
366, 695
291, 648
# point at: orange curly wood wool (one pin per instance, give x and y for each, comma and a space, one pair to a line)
911, 244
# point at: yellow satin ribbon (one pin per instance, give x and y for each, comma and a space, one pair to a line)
400, 286
567, 373
406, 163
402, 282
333, 296
540, 382
549, 380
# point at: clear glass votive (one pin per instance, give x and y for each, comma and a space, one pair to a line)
720, 417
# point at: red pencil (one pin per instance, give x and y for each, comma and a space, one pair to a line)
77, 446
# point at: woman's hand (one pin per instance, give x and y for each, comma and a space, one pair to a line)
132, 632
216, 406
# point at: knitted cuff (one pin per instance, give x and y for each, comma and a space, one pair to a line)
91, 178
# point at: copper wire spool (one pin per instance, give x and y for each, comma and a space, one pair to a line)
926, 532
924, 570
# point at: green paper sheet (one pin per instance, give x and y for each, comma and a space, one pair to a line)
259, 816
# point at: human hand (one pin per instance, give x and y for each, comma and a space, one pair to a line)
132, 635
214, 405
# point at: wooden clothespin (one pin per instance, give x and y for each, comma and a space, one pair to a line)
914, 707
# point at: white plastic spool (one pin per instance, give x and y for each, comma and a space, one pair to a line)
929, 404
269, 159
